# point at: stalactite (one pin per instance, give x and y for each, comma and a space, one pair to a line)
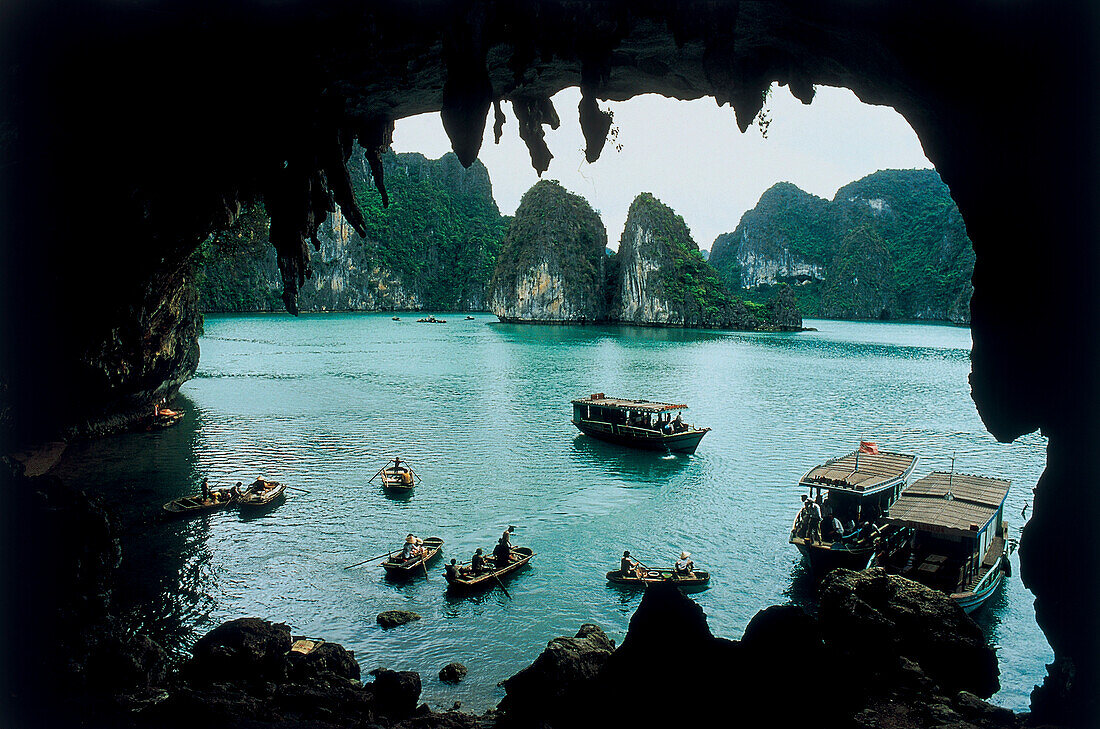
375, 138
498, 121
467, 92
531, 115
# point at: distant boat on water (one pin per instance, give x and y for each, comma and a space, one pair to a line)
430, 319
955, 536
857, 489
636, 423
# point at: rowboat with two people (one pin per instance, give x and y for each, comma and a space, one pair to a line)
207, 500
482, 571
413, 557
652, 426
259, 494
633, 573
397, 476
839, 524
955, 536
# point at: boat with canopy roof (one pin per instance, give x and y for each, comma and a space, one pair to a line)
654, 426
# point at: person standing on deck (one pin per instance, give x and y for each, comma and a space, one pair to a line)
205, 487
813, 520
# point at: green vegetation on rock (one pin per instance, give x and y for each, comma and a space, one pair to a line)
797, 238
434, 247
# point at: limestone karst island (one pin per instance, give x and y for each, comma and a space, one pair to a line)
549, 365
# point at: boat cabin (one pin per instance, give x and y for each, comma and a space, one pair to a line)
957, 525
859, 486
658, 416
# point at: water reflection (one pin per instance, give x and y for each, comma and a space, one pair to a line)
636, 468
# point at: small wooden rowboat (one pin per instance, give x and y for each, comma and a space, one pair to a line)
698, 579
219, 499
397, 476
520, 557
397, 567
260, 493
164, 419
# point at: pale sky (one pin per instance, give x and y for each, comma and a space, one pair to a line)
691, 155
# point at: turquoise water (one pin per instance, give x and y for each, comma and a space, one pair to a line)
481, 411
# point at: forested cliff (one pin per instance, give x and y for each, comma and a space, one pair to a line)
434, 247
889, 246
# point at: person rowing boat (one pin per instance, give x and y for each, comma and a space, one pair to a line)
630, 567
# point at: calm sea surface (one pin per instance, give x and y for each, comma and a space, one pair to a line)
481, 411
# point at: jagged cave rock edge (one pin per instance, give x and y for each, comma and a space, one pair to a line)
105, 209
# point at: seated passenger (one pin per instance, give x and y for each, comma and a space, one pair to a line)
452, 570
478, 564
628, 567
684, 566
411, 548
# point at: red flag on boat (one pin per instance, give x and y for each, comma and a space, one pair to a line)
866, 446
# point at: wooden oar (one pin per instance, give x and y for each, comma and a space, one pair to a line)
384, 554
294, 488
424, 564
502, 586
380, 470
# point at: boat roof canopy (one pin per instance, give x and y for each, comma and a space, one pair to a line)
641, 406
950, 503
875, 472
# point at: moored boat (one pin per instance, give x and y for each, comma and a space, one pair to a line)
955, 536
856, 489
397, 476
464, 579
219, 499
260, 493
637, 423
698, 578
397, 567
164, 419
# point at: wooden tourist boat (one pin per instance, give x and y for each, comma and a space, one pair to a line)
430, 319
955, 536
858, 488
520, 557
636, 423
397, 567
397, 476
699, 578
219, 499
259, 494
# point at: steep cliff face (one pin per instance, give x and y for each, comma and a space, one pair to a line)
794, 237
434, 247
552, 266
662, 279
782, 239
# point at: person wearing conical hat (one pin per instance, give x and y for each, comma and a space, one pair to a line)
411, 548
684, 566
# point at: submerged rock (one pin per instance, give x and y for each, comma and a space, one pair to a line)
452, 673
393, 618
